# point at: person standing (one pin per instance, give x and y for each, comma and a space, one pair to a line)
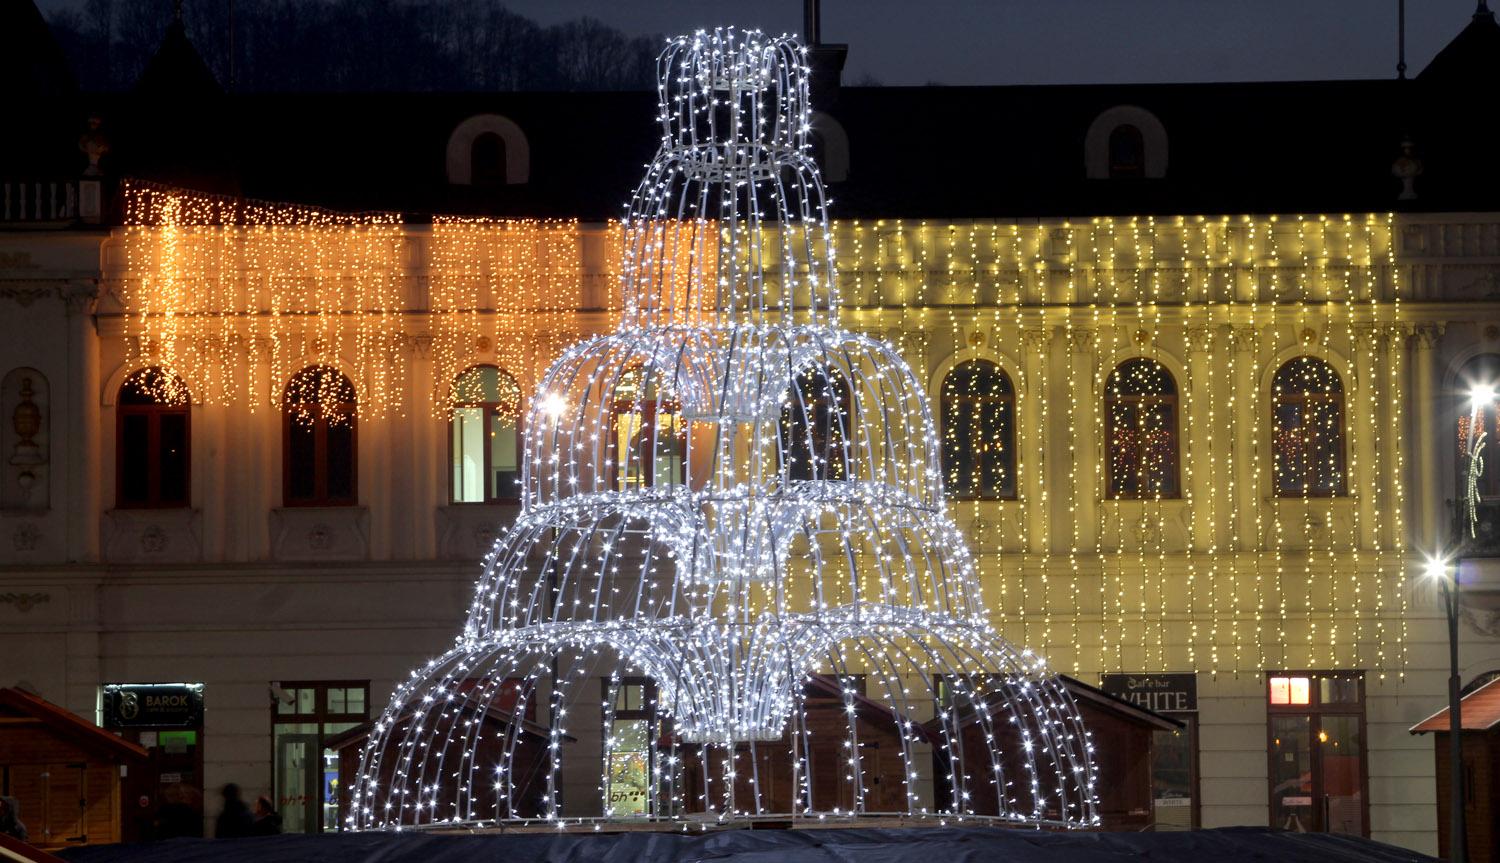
235, 819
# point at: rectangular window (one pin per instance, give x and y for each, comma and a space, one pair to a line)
468, 455
628, 750
306, 774
1316, 746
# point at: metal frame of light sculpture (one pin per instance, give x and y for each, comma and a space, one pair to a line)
806, 532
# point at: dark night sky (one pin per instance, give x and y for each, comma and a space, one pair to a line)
1064, 41
1072, 41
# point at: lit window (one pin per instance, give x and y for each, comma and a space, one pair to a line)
1481, 371
649, 442
1309, 429
978, 409
1291, 690
1140, 415
485, 434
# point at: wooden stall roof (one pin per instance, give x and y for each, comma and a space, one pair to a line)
1479, 711
1083, 692
19, 704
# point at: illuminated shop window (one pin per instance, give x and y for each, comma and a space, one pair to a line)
304, 716
485, 436
978, 407
1308, 399
1140, 414
1315, 742
628, 749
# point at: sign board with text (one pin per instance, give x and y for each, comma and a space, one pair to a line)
163, 705
1162, 693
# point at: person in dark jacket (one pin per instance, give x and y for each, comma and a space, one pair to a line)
10, 818
267, 822
235, 819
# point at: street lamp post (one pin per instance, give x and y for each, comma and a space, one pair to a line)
1457, 830
1481, 398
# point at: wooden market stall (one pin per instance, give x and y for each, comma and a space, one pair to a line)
1479, 712
63, 770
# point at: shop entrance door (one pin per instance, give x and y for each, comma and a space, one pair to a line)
298, 785
1316, 747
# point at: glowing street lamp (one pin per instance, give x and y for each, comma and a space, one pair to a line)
1443, 571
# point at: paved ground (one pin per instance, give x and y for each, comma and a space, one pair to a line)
856, 845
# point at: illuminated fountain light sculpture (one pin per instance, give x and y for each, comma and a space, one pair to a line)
733, 497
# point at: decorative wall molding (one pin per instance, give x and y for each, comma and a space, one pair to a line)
320, 533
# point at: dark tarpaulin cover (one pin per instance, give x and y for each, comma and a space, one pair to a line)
854, 845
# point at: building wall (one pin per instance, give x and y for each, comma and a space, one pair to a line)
237, 591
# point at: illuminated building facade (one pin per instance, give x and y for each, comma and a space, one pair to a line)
1198, 382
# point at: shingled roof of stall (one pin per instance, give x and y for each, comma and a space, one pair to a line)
913, 152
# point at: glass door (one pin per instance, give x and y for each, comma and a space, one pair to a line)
298, 785
1291, 774
1317, 752
1341, 759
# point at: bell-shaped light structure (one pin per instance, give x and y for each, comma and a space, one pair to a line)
733, 497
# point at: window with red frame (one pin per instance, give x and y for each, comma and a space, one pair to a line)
319, 425
485, 437
648, 441
1308, 442
1140, 416
153, 442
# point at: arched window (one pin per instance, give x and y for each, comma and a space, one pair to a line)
978, 407
1308, 400
648, 444
152, 441
485, 436
487, 160
318, 441
815, 426
1127, 152
1482, 371
1140, 415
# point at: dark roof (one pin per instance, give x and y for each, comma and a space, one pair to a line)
40, 96
176, 71
1472, 57
18, 702
1127, 710
914, 152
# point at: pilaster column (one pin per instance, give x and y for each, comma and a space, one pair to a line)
427, 462
1426, 474
1032, 435
82, 496
1083, 493
1198, 459
1246, 410
1363, 419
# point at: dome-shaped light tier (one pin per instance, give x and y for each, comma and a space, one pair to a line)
739, 500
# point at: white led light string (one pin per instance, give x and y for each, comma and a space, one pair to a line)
728, 494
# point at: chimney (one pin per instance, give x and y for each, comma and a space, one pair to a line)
825, 60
